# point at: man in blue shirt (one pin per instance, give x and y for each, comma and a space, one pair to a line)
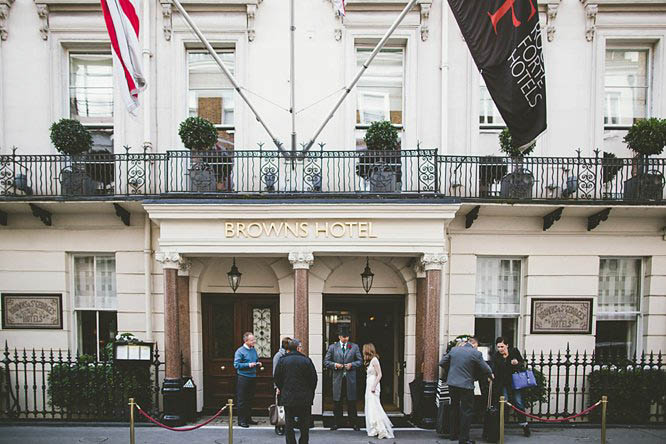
246, 362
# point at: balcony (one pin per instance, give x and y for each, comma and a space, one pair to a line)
320, 174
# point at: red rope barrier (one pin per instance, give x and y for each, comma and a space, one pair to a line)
180, 429
584, 412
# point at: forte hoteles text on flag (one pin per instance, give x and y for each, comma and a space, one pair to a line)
504, 38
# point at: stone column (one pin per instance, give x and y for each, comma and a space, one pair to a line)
432, 264
420, 322
172, 385
301, 261
183, 295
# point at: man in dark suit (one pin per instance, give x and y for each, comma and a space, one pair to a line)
463, 364
344, 358
296, 379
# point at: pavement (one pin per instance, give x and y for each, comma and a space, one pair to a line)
118, 434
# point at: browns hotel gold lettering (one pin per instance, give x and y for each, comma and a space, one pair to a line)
338, 230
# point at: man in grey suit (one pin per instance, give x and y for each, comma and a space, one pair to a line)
463, 364
343, 358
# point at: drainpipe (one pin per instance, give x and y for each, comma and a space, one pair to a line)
147, 277
147, 54
444, 78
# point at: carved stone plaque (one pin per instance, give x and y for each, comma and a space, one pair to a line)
32, 311
570, 316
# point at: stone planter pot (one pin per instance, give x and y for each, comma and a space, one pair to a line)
517, 185
644, 186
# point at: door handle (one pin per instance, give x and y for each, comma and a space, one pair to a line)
261, 369
222, 368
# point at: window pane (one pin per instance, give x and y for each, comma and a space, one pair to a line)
211, 94
108, 328
484, 330
615, 338
87, 323
498, 286
84, 283
91, 88
261, 326
488, 113
379, 91
619, 288
626, 83
105, 283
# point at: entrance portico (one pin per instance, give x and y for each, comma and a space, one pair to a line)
300, 254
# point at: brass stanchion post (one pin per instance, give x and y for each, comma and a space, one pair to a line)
604, 404
131, 404
501, 420
230, 403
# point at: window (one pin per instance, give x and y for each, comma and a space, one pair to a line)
379, 94
95, 302
489, 116
91, 96
497, 306
626, 84
618, 306
211, 94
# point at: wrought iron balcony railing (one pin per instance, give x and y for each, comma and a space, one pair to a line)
405, 173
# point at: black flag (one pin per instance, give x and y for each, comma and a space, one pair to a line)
504, 38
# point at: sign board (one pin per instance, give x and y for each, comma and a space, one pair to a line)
569, 316
31, 311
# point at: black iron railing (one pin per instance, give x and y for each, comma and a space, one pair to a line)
56, 384
406, 173
46, 384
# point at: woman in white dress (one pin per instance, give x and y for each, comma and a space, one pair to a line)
376, 422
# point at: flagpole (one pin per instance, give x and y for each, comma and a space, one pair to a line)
226, 71
348, 89
292, 76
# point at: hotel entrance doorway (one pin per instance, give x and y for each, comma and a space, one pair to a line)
376, 319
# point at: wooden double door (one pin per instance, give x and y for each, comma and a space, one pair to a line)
224, 320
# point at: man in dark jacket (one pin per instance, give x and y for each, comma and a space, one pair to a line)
463, 363
276, 358
507, 361
296, 378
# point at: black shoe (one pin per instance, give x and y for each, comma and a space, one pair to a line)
526, 431
357, 428
252, 422
279, 430
334, 427
243, 424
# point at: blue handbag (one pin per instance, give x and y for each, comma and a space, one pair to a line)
524, 379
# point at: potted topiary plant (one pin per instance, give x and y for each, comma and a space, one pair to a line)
610, 166
381, 165
210, 166
645, 138
518, 183
70, 137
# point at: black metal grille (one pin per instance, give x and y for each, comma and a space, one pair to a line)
406, 173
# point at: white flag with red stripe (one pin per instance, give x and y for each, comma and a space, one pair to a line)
122, 23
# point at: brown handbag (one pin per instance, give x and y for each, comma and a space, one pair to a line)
276, 414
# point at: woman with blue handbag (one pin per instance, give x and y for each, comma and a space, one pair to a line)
506, 362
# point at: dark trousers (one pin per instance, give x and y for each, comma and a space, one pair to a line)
303, 412
351, 406
244, 397
462, 410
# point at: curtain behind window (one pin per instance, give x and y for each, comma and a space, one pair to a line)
497, 287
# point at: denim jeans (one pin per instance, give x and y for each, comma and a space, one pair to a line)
515, 397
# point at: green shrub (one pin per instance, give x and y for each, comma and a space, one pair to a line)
197, 134
99, 388
631, 393
647, 137
506, 146
70, 137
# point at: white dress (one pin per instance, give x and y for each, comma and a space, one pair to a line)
376, 422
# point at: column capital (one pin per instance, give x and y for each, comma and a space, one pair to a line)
301, 260
433, 261
169, 259
419, 271
184, 267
